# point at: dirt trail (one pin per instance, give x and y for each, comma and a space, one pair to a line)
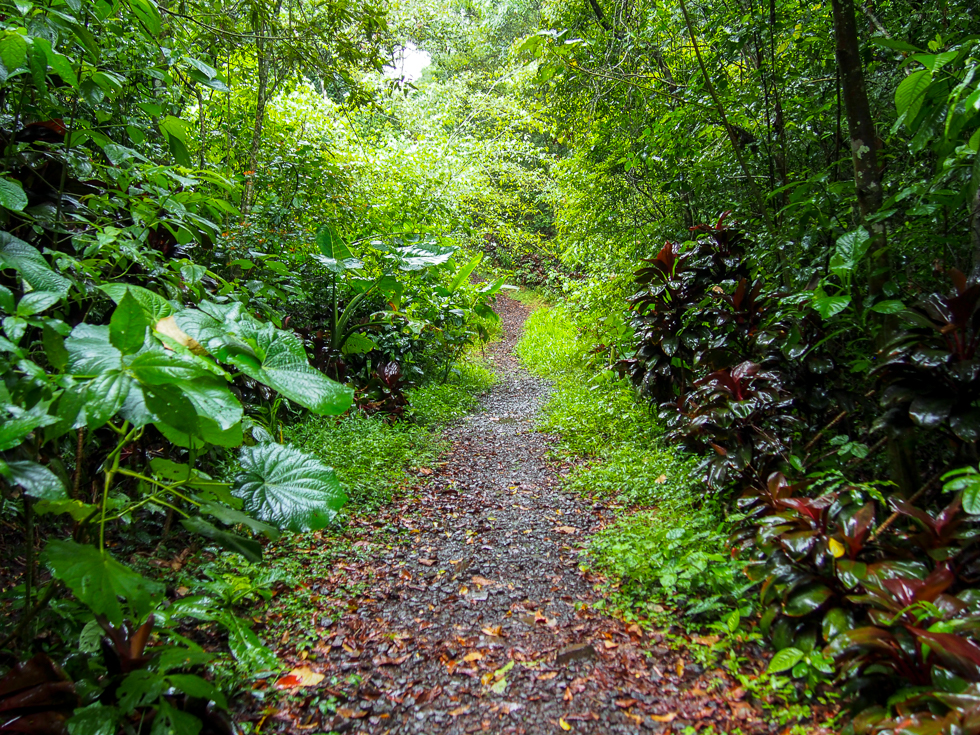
480, 621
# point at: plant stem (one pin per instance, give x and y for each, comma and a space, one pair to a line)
28, 552
110, 475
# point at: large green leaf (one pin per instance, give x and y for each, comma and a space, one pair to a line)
13, 430
98, 580
271, 356
331, 244
247, 647
334, 255
154, 304
128, 325
806, 599
12, 195
422, 254
288, 488
90, 353
465, 271
851, 249
33, 268
36, 479
910, 93
785, 660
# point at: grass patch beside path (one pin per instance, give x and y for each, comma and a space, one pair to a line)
669, 547
371, 456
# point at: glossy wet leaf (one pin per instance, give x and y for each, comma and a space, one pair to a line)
288, 488
98, 580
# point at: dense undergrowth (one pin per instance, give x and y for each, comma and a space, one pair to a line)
670, 546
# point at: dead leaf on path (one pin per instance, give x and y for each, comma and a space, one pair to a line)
385, 661
706, 640
459, 711
302, 677
427, 562
576, 687
635, 630
583, 717
624, 703
495, 630
463, 590
564, 725
679, 667
638, 719
566, 529
610, 644
664, 718
351, 714
425, 471
481, 581
548, 675
540, 617
472, 656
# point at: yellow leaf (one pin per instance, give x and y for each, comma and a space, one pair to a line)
168, 328
302, 677
564, 725
836, 548
471, 657
661, 480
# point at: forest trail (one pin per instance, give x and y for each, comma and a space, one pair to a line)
477, 618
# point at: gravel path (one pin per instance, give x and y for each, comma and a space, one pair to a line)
481, 622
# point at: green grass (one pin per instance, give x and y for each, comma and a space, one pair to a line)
530, 297
436, 403
669, 545
370, 455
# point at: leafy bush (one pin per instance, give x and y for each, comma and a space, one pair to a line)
678, 557
676, 554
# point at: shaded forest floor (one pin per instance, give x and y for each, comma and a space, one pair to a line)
462, 607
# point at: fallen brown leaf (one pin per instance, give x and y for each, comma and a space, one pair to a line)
610, 644
351, 714
301, 677
548, 675
664, 718
624, 703
567, 529
385, 661
472, 656
427, 562
481, 581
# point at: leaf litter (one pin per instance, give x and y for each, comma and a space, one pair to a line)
474, 616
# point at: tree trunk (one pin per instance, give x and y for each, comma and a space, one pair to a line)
864, 154
260, 102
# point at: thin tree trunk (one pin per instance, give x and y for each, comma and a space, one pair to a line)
864, 154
